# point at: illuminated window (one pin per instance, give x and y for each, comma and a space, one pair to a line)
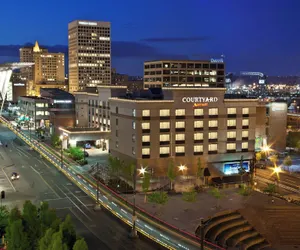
40, 105
180, 137
245, 145
198, 136
145, 125
145, 138
213, 123
117, 144
245, 122
245, 134
164, 112
179, 149
146, 112
231, 134
40, 113
231, 123
231, 111
164, 150
164, 125
213, 147
133, 151
133, 124
146, 151
231, 146
213, 111
180, 112
133, 112
245, 111
198, 124
198, 148
179, 124
198, 112
212, 135
165, 137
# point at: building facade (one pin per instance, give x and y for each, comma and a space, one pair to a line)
89, 54
184, 73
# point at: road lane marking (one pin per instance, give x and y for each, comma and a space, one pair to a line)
9, 180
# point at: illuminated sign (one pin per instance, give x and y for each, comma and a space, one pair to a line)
199, 99
88, 23
62, 101
233, 167
19, 84
198, 105
262, 81
216, 60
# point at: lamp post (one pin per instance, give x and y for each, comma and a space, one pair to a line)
133, 233
182, 168
61, 150
97, 207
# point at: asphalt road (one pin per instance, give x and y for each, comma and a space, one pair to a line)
40, 181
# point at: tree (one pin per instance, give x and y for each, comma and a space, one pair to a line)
270, 189
80, 244
68, 232
288, 162
46, 241
274, 159
14, 215
146, 184
200, 169
16, 237
55, 140
171, 172
76, 153
215, 192
241, 169
158, 198
4, 215
189, 196
48, 218
57, 242
258, 156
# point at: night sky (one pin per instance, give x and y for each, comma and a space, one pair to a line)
254, 35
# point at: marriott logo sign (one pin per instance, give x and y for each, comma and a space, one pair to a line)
199, 99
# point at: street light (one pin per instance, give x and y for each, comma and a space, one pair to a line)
61, 137
182, 168
143, 170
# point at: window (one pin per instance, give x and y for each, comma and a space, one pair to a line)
213, 111
231, 146
146, 112
198, 148
133, 151
198, 136
145, 125
117, 134
213, 123
180, 124
245, 111
180, 112
164, 150
117, 121
164, 112
245, 134
213, 147
245, 145
164, 125
133, 124
231, 123
117, 110
133, 138
231, 134
245, 122
231, 111
180, 137
117, 144
39, 105
198, 112
145, 138
146, 151
133, 112
213, 135
165, 137
179, 149
40, 113
198, 124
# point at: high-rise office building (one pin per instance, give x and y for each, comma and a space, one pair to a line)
89, 54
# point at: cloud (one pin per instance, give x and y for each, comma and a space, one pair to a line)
175, 39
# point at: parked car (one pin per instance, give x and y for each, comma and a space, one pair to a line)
15, 176
87, 146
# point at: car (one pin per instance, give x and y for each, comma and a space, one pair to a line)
87, 146
15, 176
86, 154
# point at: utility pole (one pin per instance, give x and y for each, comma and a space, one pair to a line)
133, 233
97, 206
202, 234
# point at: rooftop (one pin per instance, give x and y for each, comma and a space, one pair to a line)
178, 61
55, 92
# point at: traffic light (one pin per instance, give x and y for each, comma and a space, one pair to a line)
2, 194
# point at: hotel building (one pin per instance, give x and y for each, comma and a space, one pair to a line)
89, 54
178, 73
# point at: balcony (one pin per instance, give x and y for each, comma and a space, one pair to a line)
245, 138
213, 152
164, 155
198, 129
231, 139
145, 131
180, 117
213, 140
146, 118
213, 116
231, 151
198, 141
162, 130
231, 127
198, 153
164, 117
145, 156
231, 115
164, 142
179, 129
180, 142
180, 154
198, 116
213, 128
245, 127
146, 143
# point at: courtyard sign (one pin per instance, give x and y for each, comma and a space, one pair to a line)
216, 60
199, 99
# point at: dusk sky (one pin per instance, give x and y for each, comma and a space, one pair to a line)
254, 35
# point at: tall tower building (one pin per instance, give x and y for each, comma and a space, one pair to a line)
89, 54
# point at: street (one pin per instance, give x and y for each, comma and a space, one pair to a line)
40, 181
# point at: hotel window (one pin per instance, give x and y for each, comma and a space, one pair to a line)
117, 134
133, 151
198, 136
117, 122
245, 134
231, 134
198, 112
39, 105
146, 151
146, 113
134, 113
179, 150
198, 124
212, 147
180, 112
231, 123
164, 112
164, 150
244, 145
212, 135
117, 144
145, 125
165, 137
245, 111
231, 146
213, 123
213, 111
117, 110
245, 122
133, 138
198, 148
164, 125
145, 138
133, 124
231, 111
179, 124
180, 137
